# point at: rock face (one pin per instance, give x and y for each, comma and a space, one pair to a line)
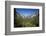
25, 21
22, 16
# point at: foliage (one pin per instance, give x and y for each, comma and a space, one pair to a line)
19, 21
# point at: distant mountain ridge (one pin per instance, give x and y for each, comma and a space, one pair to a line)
30, 16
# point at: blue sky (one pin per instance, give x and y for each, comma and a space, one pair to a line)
26, 12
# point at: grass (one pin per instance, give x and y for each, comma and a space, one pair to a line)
19, 21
